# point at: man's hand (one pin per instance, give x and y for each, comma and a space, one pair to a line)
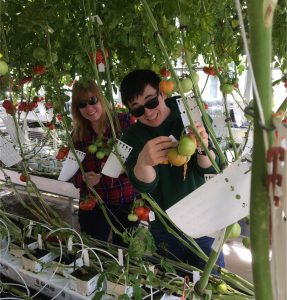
91, 178
202, 132
155, 151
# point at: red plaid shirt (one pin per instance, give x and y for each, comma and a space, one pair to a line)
113, 191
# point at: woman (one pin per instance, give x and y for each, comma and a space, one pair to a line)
91, 126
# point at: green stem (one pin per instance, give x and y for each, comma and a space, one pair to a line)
260, 18
205, 116
228, 124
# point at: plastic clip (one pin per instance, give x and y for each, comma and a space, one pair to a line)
274, 155
185, 284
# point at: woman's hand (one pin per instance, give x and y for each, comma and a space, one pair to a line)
91, 178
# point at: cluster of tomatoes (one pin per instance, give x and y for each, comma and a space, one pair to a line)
140, 211
62, 153
99, 57
29, 106
100, 147
211, 70
181, 154
228, 84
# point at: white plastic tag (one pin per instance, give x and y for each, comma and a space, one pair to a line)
101, 67
40, 241
196, 276
120, 257
151, 216
218, 240
30, 229
86, 258
194, 111
70, 243
113, 167
8, 154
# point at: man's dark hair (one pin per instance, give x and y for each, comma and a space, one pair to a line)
134, 83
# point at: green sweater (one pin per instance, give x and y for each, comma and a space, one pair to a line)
169, 185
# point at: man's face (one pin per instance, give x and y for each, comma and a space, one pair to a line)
153, 114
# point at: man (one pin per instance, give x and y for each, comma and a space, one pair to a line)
157, 119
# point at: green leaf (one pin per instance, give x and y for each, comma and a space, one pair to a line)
99, 295
124, 297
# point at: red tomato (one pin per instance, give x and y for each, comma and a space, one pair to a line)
164, 72
7, 104
87, 205
64, 149
51, 126
166, 86
205, 70
142, 212
39, 70
23, 177
60, 155
59, 117
49, 105
36, 99
25, 79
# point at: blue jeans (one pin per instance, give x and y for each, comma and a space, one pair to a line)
181, 251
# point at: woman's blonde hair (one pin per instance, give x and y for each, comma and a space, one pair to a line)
81, 126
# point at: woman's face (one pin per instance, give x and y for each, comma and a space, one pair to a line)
93, 109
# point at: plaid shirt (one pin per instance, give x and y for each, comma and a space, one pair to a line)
113, 191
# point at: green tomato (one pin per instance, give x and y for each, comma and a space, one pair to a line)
99, 142
222, 288
234, 23
186, 85
132, 217
92, 148
100, 154
3, 67
235, 231
29, 188
186, 146
227, 88
39, 53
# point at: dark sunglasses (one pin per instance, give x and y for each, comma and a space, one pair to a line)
91, 101
140, 110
